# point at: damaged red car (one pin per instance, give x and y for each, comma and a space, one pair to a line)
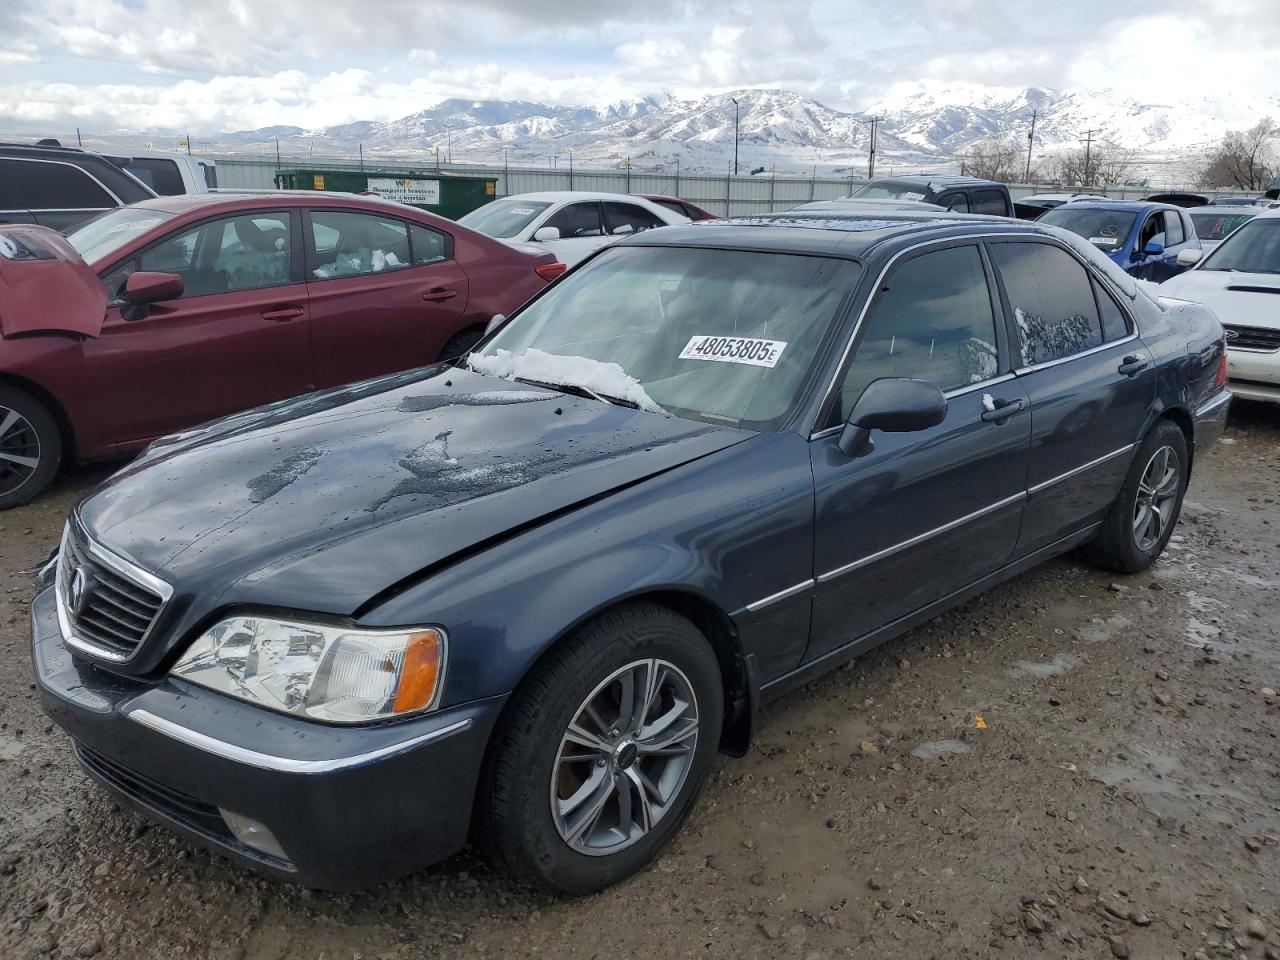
154, 317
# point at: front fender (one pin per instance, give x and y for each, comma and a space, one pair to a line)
724, 531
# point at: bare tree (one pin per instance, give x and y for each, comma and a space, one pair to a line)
1245, 159
1092, 168
991, 160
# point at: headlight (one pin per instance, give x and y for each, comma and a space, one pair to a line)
334, 674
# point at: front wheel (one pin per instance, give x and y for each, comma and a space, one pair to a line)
1141, 521
30, 447
603, 752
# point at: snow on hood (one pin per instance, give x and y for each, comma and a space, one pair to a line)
1244, 299
594, 375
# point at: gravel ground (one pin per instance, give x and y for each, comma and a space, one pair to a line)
1072, 765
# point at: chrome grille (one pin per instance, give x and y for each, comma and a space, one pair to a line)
1252, 338
106, 605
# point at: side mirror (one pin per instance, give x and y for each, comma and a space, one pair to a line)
897, 405
1190, 257
1154, 248
494, 323
145, 288
543, 234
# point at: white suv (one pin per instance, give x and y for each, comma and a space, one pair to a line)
1240, 281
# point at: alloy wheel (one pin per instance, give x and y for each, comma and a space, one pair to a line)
624, 758
19, 450
1157, 495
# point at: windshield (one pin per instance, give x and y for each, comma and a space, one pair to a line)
504, 218
889, 191
1105, 229
1215, 226
714, 335
106, 233
1254, 248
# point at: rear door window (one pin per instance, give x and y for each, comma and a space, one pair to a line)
957, 202
10, 198
934, 321
623, 218
350, 244
54, 185
1173, 232
577, 220
430, 246
1115, 325
161, 175
989, 201
1052, 300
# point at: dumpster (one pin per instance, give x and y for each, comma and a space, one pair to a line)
447, 194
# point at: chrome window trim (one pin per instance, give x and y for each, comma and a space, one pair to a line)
1206, 408
1045, 484
829, 392
267, 761
1023, 371
75, 166
921, 537
763, 602
123, 567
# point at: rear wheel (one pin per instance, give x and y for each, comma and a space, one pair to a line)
1141, 521
603, 752
461, 343
30, 447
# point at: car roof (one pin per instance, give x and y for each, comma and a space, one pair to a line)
939, 180
1227, 209
823, 233
1126, 206
236, 199
559, 196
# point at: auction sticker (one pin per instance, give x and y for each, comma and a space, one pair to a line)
753, 352
1103, 241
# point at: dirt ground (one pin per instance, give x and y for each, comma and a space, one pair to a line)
1073, 765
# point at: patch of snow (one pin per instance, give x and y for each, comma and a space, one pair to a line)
594, 375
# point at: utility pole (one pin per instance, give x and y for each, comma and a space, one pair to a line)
79, 142
735, 135
871, 145
570, 169
1088, 152
448, 143
362, 158
1031, 139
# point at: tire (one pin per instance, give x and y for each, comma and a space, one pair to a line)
461, 343
1131, 538
30, 447
516, 826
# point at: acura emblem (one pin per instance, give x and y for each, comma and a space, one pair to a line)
79, 590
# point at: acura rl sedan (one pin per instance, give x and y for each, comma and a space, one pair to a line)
527, 597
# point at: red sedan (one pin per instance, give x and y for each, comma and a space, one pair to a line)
156, 316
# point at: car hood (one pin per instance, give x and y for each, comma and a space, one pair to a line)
45, 286
322, 502
1243, 299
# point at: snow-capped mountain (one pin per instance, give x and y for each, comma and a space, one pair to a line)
924, 126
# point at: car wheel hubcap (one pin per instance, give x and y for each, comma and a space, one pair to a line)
1157, 492
19, 450
624, 757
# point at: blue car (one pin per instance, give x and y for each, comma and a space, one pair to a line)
1143, 239
527, 598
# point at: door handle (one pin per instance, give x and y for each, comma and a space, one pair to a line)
439, 293
281, 314
1133, 365
998, 411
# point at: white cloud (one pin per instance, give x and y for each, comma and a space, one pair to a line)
109, 64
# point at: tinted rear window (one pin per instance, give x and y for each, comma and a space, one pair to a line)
159, 174
1215, 226
55, 185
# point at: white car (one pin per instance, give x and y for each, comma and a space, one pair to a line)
172, 174
1213, 223
1240, 281
569, 223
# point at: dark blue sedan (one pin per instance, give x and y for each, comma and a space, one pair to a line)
526, 599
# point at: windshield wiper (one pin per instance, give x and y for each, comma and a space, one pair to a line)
577, 390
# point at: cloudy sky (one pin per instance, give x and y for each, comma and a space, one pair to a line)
239, 64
